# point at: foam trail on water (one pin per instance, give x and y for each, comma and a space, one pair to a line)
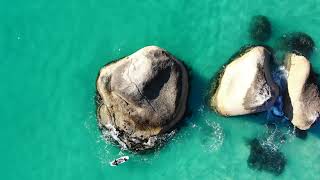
113, 133
215, 138
279, 76
271, 141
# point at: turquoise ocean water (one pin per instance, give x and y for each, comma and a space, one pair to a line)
50, 54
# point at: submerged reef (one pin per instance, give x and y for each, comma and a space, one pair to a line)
260, 28
264, 157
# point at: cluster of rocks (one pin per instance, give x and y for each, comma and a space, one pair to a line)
245, 85
141, 97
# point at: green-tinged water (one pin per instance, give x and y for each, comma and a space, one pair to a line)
50, 54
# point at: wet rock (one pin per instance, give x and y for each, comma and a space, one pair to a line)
302, 101
245, 85
260, 28
142, 97
262, 157
297, 42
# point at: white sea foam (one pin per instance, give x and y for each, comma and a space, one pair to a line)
215, 138
112, 132
271, 141
279, 76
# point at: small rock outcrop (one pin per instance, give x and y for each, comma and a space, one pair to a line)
142, 97
260, 28
245, 85
302, 102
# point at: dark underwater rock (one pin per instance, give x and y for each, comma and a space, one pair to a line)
260, 28
297, 42
301, 134
265, 158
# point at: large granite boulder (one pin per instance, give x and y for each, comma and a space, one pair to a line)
141, 97
245, 85
302, 102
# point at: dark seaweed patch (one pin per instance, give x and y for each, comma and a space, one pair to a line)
260, 28
265, 158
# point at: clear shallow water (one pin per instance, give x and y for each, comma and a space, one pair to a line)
50, 54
